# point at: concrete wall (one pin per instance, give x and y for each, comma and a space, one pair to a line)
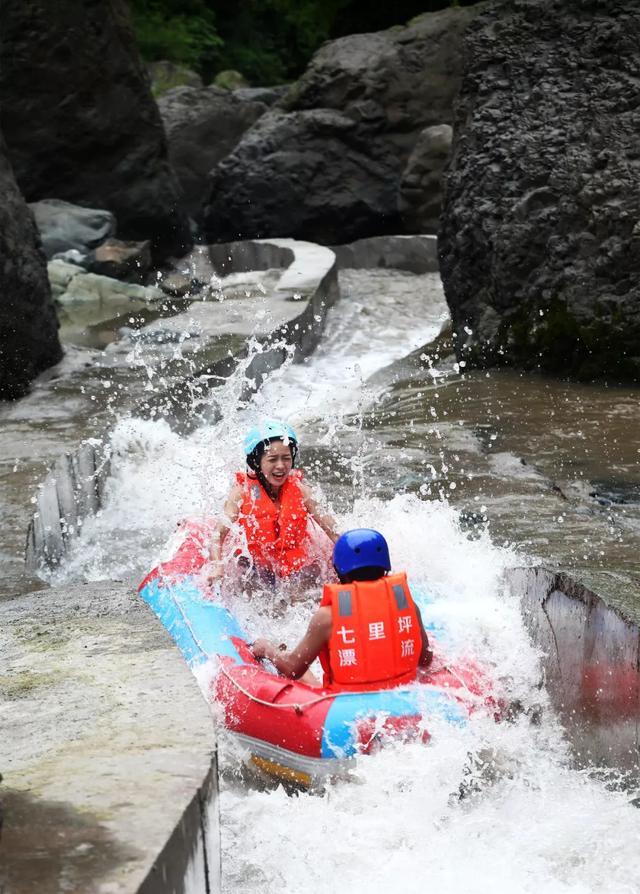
591, 665
107, 750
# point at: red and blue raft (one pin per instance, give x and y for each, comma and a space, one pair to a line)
293, 731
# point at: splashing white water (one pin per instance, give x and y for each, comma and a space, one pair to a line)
486, 808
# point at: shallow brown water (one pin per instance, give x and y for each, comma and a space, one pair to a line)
552, 467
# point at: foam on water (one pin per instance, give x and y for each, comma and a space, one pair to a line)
484, 808
375, 324
538, 827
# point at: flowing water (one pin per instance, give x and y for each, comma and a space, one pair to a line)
466, 474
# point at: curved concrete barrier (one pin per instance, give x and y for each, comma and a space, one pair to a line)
71, 491
308, 286
591, 661
107, 750
297, 309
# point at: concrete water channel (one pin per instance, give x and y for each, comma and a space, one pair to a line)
108, 757
108, 749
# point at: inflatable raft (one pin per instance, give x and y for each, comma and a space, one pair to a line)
293, 731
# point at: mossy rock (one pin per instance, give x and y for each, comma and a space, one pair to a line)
166, 75
559, 343
230, 80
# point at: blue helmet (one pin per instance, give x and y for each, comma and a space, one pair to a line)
360, 548
268, 430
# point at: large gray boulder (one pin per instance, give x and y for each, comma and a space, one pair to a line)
318, 180
203, 125
342, 136
66, 227
79, 119
540, 237
420, 199
28, 326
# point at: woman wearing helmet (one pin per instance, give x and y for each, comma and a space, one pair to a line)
275, 509
367, 633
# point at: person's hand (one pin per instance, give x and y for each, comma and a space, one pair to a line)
261, 648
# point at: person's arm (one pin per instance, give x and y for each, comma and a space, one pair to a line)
317, 513
231, 510
426, 655
296, 662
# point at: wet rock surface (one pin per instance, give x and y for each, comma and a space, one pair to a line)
28, 327
340, 138
79, 119
73, 285
203, 124
540, 239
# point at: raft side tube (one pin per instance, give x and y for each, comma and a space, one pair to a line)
201, 629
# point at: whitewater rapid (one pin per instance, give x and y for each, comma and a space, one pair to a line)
483, 808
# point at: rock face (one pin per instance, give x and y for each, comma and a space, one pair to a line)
79, 119
327, 164
28, 326
317, 178
420, 199
203, 125
65, 227
267, 95
540, 237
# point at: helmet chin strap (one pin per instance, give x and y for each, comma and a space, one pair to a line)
263, 481
256, 473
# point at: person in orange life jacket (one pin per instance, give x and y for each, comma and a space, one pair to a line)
367, 633
273, 505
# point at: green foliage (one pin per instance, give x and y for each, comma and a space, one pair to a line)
271, 41
181, 32
268, 41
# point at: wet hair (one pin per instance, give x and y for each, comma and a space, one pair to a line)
368, 573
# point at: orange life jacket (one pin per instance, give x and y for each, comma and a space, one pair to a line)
276, 534
375, 634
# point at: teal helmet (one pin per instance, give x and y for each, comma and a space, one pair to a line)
261, 435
